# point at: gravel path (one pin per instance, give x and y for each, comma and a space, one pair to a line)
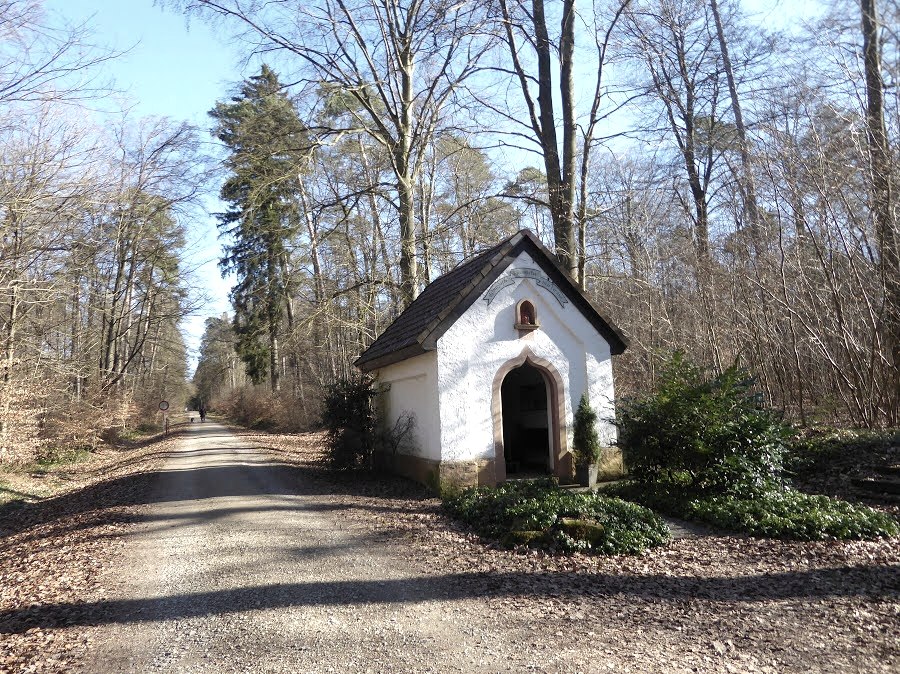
236, 569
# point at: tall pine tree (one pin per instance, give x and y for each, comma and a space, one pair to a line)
268, 147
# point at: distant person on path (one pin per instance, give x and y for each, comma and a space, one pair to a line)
202, 411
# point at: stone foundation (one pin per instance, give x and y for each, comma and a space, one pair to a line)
440, 475
460, 474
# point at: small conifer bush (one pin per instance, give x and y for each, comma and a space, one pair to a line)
349, 418
585, 440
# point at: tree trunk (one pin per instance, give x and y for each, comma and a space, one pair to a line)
274, 301
377, 234
74, 339
747, 183
409, 283
402, 155
882, 198
426, 202
568, 241
109, 317
560, 206
9, 341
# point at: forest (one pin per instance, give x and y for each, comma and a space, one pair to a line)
92, 214
719, 184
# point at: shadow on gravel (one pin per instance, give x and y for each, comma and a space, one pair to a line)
243, 472
821, 583
256, 477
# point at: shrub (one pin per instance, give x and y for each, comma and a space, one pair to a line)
703, 435
348, 415
258, 407
540, 514
253, 407
585, 441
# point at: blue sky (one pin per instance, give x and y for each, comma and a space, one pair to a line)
174, 69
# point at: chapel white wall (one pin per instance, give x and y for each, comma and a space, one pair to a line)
471, 352
411, 386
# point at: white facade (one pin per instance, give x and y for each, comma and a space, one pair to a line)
410, 387
453, 392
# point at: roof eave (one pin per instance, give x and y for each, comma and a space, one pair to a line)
390, 358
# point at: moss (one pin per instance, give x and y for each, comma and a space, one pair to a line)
585, 530
512, 539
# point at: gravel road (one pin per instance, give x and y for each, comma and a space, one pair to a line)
242, 555
237, 567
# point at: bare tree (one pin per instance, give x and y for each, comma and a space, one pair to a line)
884, 208
672, 39
43, 163
746, 180
44, 60
403, 66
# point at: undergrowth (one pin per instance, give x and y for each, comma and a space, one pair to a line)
705, 447
785, 513
827, 460
51, 459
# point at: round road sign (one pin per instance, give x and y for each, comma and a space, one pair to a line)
163, 405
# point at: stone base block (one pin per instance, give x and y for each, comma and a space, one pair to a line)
611, 465
461, 474
440, 475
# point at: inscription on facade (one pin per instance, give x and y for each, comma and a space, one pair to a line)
550, 286
496, 287
527, 272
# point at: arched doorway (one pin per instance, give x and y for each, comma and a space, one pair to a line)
528, 370
525, 400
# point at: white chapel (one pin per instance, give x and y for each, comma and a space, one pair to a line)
480, 376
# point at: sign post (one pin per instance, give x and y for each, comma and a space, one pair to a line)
164, 408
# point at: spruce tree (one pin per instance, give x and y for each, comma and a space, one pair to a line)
267, 145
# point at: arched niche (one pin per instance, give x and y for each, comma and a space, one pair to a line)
526, 316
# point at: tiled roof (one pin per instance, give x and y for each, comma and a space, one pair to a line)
418, 328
